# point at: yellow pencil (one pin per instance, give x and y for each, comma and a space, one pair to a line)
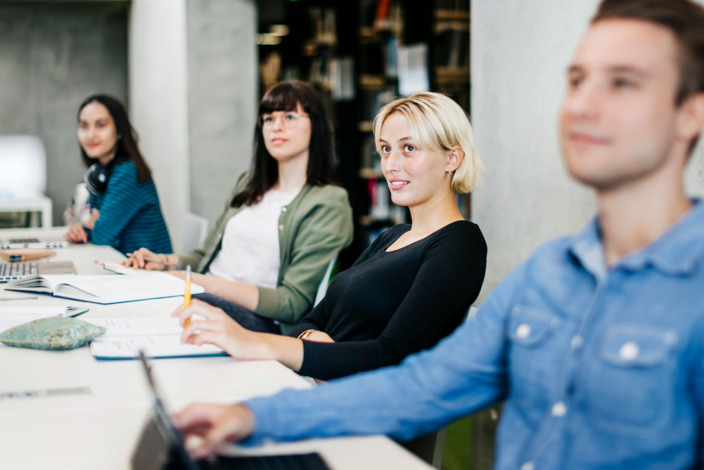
187, 294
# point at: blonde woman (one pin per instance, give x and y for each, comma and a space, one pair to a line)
413, 285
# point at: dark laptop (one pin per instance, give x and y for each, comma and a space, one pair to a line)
161, 446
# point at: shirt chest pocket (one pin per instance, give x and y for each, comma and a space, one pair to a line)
531, 358
630, 383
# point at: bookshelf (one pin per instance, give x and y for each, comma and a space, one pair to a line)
380, 32
358, 54
450, 60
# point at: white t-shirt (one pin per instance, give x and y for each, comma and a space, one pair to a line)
250, 245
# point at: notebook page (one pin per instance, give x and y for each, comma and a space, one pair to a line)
153, 346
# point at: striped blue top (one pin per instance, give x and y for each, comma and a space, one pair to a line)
130, 214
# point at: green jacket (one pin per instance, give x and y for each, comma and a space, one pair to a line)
313, 228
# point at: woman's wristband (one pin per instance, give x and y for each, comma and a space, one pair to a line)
305, 334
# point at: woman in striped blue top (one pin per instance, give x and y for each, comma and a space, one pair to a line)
124, 205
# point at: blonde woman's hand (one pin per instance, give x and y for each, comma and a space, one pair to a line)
206, 426
213, 326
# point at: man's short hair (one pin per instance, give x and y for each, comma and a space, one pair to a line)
684, 18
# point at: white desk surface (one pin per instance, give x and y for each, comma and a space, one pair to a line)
99, 428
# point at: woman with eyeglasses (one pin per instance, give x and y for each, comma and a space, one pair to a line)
285, 220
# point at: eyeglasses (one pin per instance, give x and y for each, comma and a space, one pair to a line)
289, 120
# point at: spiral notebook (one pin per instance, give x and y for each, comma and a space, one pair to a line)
158, 337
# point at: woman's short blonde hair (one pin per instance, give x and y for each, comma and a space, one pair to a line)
437, 122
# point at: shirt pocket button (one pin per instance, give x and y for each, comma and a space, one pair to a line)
631, 357
629, 351
523, 331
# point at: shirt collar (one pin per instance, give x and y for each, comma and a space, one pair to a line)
674, 253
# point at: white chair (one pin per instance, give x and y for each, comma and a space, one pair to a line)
23, 163
23, 180
195, 229
323, 287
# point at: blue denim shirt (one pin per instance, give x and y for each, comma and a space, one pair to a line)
600, 367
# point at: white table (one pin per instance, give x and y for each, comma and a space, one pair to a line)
37, 205
95, 419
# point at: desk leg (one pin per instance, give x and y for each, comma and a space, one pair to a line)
47, 214
34, 220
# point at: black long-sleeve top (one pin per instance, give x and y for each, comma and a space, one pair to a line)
389, 305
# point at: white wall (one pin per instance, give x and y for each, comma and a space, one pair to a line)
158, 100
49, 63
520, 52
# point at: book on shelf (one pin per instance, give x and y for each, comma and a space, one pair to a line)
390, 51
342, 78
159, 337
372, 63
323, 25
369, 157
451, 49
413, 69
381, 209
379, 58
373, 100
452, 5
104, 288
379, 199
389, 16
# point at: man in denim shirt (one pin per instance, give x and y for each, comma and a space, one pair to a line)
596, 343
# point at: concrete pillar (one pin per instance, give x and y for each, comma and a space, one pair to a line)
222, 97
193, 95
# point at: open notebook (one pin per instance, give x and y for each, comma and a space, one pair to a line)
105, 288
158, 337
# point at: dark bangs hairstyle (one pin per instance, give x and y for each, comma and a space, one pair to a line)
684, 19
264, 172
126, 136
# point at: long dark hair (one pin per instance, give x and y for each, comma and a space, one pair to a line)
127, 137
285, 96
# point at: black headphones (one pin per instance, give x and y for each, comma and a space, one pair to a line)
96, 178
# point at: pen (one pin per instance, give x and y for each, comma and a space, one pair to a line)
187, 294
7, 299
115, 267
